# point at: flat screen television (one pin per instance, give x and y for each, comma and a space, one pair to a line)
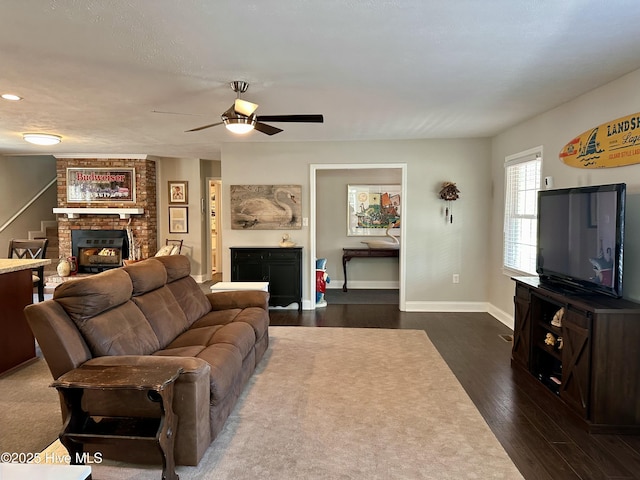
581, 238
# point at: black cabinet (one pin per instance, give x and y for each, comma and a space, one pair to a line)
590, 360
281, 267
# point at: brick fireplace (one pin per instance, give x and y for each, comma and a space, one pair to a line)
144, 226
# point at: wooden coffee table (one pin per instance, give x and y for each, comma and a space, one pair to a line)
80, 427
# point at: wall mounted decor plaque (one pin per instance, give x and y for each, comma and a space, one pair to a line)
612, 144
89, 185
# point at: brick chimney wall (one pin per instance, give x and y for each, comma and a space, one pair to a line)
144, 226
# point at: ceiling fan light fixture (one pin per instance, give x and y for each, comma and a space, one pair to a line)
11, 97
239, 125
41, 138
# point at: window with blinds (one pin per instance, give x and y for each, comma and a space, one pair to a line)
522, 182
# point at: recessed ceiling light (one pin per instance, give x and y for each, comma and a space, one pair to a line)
42, 138
11, 96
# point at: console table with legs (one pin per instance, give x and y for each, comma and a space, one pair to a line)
349, 253
155, 385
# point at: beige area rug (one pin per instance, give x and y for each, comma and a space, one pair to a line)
30, 416
338, 403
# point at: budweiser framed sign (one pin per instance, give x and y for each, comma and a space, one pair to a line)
101, 185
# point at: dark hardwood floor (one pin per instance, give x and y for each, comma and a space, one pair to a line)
542, 438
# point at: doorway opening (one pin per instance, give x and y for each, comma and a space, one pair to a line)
314, 169
215, 232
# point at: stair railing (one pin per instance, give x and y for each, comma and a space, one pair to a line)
27, 205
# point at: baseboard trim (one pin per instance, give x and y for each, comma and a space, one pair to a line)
447, 307
365, 285
501, 316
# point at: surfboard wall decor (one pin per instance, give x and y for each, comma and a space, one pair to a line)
612, 144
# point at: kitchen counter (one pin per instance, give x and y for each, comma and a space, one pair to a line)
17, 345
8, 265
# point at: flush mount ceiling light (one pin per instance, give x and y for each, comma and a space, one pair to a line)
11, 96
42, 138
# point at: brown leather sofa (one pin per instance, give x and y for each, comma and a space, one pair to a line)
153, 312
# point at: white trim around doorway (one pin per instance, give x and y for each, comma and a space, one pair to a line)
313, 169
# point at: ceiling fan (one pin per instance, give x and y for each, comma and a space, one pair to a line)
241, 117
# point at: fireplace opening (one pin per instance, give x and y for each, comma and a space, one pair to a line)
99, 250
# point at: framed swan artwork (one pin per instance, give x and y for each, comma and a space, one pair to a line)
266, 207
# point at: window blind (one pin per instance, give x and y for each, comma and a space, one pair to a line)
522, 182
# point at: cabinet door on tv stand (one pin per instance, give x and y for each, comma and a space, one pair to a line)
576, 361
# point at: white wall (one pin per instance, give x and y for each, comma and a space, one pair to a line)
553, 130
435, 250
194, 245
21, 178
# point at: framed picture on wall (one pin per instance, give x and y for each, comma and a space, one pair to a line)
88, 185
178, 191
178, 219
266, 207
371, 209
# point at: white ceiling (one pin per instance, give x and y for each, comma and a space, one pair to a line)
94, 71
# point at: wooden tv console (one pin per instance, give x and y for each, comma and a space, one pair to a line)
595, 368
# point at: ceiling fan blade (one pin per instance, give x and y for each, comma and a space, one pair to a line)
244, 108
204, 126
177, 113
268, 129
291, 118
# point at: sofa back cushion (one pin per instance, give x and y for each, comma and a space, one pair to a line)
146, 276
187, 292
156, 301
101, 308
163, 313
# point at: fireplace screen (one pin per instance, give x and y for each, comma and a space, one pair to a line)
96, 251
90, 256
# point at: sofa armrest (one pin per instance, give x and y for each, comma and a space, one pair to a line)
239, 299
191, 402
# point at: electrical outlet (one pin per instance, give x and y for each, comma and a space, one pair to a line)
305, 221
456, 278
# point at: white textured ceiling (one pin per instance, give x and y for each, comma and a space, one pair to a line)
93, 71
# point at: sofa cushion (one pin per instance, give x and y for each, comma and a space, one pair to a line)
190, 297
177, 266
123, 330
146, 276
253, 316
109, 321
86, 297
225, 361
163, 313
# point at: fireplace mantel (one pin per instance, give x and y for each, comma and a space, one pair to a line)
76, 212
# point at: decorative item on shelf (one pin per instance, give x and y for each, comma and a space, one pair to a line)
557, 318
449, 193
286, 241
64, 267
393, 243
559, 343
135, 249
73, 264
550, 340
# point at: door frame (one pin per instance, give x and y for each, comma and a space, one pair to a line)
313, 169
